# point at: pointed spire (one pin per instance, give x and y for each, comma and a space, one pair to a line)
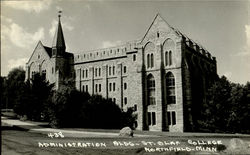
58, 41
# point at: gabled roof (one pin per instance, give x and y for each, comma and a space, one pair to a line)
158, 16
47, 49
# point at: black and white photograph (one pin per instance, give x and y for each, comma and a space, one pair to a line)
125, 77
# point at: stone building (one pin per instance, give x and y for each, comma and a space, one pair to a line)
163, 76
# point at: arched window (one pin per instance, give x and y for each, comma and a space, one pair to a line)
166, 58
152, 60
170, 58
148, 60
151, 89
170, 86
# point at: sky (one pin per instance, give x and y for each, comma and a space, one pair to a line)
221, 27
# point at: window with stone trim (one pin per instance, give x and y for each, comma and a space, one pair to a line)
150, 60
125, 100
99, 71
151, 89
134, 57
166, 58
170, 87
113, 86
100, 87
96, 72
170, 58
151, 118
44, 74
113, 70
109, 70
125, 86
171, 117
86, 88
124, 69
135, 107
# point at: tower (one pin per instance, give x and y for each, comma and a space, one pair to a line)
60, 61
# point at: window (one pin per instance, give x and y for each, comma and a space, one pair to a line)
109, 70
171, 118
110, 85
99, 71
52, 70
96, 87
170, 87
86, 88
166, 58
113, 86
86, 73
149, 118
114, 100
44, 74
100, 87
134, 57
148, 60
96, 72
82, 73
124, 69
153, 118
113, 70
152, 60
125, 100
170, 58
151, 89
125, 86
158, 34
135, 107
83, 88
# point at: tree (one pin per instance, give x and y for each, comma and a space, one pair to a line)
71, 108
15, 80
32, 98
227, 108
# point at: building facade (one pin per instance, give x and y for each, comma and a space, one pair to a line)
164, 76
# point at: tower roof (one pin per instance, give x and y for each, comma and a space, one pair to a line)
58, 40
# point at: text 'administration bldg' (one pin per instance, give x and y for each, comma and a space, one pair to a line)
164, 76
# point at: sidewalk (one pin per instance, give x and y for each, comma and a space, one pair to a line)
40, 127
37, 127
